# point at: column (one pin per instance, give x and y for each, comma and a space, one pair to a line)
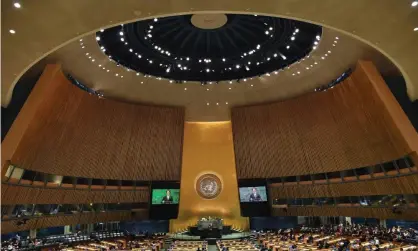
32, 233
67, 229
382, 222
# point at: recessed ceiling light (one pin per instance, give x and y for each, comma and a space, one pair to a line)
252, 85
229, 88
416, 29
230, 82
12, 31
155, 19
185, 89
101, 30
107, 70
97, 38
414, 3
292, 38
207, 103
116, 74
226, 103
17, 5
318, 37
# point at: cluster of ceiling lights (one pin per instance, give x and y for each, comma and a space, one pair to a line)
17, 5
314, 62
415, 4
203, 60
295, 73
207, 61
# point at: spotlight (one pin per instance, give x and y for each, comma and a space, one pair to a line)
122, 39
12, 31
292, 38
416, 29
275, 54
237, 66
98, 38
155, 19
318, 37
223, 59
121, 33
207, 70
17, 5
414, 3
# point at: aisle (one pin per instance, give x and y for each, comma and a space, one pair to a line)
212, 248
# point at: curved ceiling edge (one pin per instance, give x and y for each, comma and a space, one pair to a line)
361, 28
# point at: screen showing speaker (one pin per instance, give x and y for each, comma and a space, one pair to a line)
164, 200
253, 194
165, 196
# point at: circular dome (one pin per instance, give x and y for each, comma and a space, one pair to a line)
212, 47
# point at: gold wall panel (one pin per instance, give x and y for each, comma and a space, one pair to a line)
208, 148
64, 130
358, 123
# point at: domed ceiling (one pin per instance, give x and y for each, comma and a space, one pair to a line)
115, 62
209, 47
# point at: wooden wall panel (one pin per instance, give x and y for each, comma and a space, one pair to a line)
397, 185
380, 213
81, 218
346, 127
76, 134
29, 195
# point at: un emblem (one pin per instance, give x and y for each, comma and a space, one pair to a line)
208, 186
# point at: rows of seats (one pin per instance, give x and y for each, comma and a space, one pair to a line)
231, 245
311, 242
188, 245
